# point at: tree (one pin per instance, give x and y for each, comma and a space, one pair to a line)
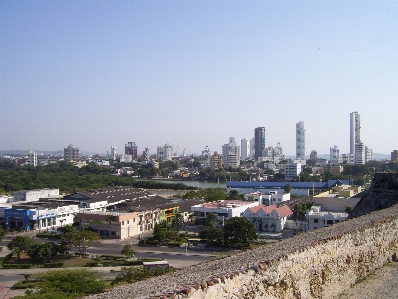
160, 231
81, 240
128, 251
20, 244
239, 231
287, 188
3, 232
211, 231
234, 195
177, 221
43, 251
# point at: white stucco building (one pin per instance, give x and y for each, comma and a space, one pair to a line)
34, 194
292, 170
268, 218
316, 218
225, 208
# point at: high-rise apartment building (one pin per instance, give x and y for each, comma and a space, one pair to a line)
334, 155
360, 154
314, 155
244, 149
252, 149
355, 128
113, 153
131, 149
216, 161
394, 156
300, 140
368, 154
259, 142
231, 154
71, 153
31, 158
164, 153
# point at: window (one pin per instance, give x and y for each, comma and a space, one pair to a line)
122, 222
315, 220
128, 221
329, 221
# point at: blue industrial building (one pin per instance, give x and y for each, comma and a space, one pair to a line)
299, 188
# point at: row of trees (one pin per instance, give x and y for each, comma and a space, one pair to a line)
79, 240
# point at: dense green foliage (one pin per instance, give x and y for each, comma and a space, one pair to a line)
67, 284
211, 232
69, 178
300, 210
43, 251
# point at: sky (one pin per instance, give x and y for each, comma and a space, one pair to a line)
97, 74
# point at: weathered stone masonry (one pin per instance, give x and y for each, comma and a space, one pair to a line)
317, 264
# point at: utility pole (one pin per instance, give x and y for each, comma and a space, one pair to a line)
186, 239
222, 237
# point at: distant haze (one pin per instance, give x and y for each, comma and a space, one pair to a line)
97, 74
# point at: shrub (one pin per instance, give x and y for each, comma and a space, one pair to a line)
47, 235
53, 265
113, 257
17, 266
26, 284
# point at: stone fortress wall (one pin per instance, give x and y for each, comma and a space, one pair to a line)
318, 264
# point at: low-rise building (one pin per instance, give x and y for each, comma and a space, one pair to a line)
34, 194
317, 218
113, 225
40, 216
268, 218
225, 209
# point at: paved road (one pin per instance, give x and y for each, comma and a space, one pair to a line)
175, 256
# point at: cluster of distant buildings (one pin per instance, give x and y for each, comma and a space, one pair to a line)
123, 212
232, 154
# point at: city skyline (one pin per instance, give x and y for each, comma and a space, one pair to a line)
97, 74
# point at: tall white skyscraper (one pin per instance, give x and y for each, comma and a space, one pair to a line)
355, 128
300, 140
244, 149
113, 153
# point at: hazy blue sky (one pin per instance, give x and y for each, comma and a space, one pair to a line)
194, 73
